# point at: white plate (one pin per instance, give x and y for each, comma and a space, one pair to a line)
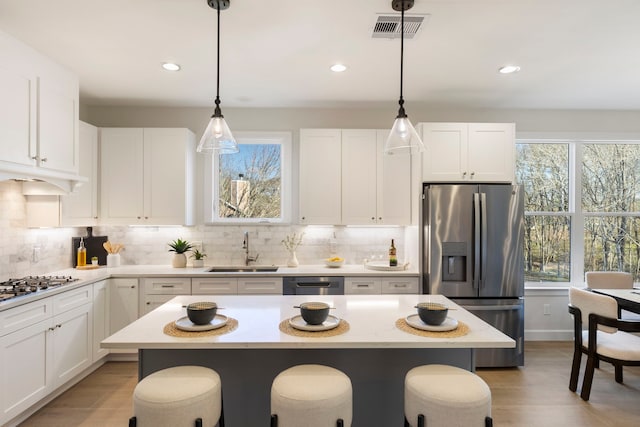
449, 324
185, 324
384, 266
298, 323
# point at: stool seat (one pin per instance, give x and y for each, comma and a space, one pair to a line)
311, 396
178, 396
446, 396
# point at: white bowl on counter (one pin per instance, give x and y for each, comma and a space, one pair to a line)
334, 263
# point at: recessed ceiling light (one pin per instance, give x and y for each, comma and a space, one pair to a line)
170, 66
338, 68
508, 69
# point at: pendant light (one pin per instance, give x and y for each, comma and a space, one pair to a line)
403, 138
217, 137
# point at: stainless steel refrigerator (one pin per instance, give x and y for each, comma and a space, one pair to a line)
472, 244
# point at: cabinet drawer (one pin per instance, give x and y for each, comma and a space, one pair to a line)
215, 286
362, 285
72, 299
25, 315
260, 286
400, 285
167, 286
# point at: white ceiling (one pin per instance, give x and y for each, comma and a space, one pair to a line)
574, 54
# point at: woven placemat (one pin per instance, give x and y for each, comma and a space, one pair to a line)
342, 327
460, 331
171, 330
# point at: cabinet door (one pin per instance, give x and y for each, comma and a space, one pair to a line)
80, 208
58, 120
169, 168
25, 368
359, 177
72, 347
362, 285
492, 152
17, 109
123, 302
100, 313
121, 175
167, 285
394, 185
445, 155
151, 302
320, 176
260, 286
214, 286
400, 285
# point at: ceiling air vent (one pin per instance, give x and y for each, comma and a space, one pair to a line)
388, 26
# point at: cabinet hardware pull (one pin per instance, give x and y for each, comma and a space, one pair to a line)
473, 173
34, 157
44, 159
464, 174
139, 217
167, 286
133, 286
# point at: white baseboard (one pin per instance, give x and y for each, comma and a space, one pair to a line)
548, 335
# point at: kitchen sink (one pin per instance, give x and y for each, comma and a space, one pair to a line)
243, 269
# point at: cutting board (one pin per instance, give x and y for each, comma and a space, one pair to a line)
94, 248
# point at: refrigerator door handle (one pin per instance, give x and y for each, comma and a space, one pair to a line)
492, 307
483, 232
476, 240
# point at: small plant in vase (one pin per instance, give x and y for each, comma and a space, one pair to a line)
198, 258
291, 243
179, 246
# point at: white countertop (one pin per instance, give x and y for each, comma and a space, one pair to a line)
371, 321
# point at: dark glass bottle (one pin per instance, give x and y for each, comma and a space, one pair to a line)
393, 259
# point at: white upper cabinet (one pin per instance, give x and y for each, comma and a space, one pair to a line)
147, 176
81, 207
320, 176
346, 179
468, 152
38, 111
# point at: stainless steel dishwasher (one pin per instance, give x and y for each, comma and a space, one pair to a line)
313, 285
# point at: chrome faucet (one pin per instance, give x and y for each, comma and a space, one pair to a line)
245, 245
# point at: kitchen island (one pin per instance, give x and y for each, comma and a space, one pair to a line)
373, 352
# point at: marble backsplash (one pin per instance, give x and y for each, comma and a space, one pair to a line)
25, 251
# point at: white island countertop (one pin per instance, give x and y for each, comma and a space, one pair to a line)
371, 321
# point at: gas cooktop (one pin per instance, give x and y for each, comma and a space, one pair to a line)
14, 288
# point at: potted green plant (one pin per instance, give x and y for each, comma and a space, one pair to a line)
179, 246
198, 258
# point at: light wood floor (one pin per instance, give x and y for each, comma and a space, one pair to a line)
535, 395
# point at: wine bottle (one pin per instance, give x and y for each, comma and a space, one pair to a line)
393, 260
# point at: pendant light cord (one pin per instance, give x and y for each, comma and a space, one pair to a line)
401, 112
217, 111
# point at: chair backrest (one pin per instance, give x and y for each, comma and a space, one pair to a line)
589, 302
609, 280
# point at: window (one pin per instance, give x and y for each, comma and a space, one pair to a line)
253, 185
581, 205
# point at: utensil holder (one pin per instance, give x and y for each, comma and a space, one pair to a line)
113, 260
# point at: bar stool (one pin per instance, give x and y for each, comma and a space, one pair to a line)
446, 396
182, 396
311, 396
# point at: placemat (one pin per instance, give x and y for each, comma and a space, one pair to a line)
171, 330
460, 331
342, 327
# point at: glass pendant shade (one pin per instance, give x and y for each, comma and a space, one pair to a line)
217, 137
403, 138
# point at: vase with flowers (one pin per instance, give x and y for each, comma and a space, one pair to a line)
291, 243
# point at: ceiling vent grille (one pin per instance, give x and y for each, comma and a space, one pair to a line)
388, 26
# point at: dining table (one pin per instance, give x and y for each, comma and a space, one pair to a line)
627, 299
373, 339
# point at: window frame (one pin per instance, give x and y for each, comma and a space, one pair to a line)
575, 213
211, 186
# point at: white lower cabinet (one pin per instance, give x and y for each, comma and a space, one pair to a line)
100, 318
72, 345
123, 303
381, 285
260, 286
158, 290
214, 286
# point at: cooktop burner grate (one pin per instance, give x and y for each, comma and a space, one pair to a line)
13, 288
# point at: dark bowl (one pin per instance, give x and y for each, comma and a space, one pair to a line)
201, 313
432, 313
314, 313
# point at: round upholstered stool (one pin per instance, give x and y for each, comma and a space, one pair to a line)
311, 396
183, 396
446, 396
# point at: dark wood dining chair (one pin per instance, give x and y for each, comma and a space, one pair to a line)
606, 338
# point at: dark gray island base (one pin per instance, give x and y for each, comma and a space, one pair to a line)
377, 376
